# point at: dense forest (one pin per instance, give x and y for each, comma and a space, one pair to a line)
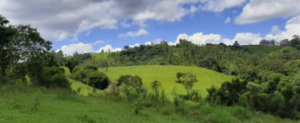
267, 82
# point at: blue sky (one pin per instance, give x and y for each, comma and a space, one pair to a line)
89, 26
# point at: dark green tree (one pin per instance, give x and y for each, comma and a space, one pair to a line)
8, 48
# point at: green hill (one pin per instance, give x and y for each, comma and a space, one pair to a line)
263, 49
98, 56
167, 76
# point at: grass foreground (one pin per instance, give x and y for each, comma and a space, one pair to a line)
22, 104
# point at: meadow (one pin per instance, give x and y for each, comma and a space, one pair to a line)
98, 56
23, 104
167, 76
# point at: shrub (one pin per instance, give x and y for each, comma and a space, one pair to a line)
75, 69
97, 79
53, 77
90, 67
129, 80
113, 88
222, 117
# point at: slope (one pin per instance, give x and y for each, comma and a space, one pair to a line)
167, 76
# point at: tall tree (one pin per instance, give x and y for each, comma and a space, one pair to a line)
7, 49
32, 50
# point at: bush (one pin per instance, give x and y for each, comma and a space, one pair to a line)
113, 88
97, 79
90, 67
75, 69
53, 77
134, 81
222, 117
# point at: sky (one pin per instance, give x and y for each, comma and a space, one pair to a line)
93, 25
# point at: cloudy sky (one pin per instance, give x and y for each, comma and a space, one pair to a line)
92, 25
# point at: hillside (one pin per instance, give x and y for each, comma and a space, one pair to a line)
98, 56
262, 49
167, 76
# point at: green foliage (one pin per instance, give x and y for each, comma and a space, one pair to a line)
53, 77
155, 85
97, 79
90, 67
129, 80
187, 80
90, 76
210, 63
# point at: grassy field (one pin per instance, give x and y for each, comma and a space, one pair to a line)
167, 76
98, 56
21, 104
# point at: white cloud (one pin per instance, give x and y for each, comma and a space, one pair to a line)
228, 20
71, 17
79, 47
220, 5
125, 24
134, 34
292, 27
86, 48
148, 43
259, 10
200, 38
247, 38
275, 30
294, 20
135, 45
107, 48
98, 42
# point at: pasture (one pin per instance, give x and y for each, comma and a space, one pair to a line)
167, 76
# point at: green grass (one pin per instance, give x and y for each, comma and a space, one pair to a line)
98, 56
167, 76
21, 104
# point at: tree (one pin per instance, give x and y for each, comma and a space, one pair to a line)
295, 41
236, 45
126, 47
7, 48
53, 77
102, 51
187, 80
155, 85
285, 42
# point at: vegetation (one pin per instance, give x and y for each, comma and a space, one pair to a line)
166, 75
239, 84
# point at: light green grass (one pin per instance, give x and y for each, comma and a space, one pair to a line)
98, 56
167, 76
